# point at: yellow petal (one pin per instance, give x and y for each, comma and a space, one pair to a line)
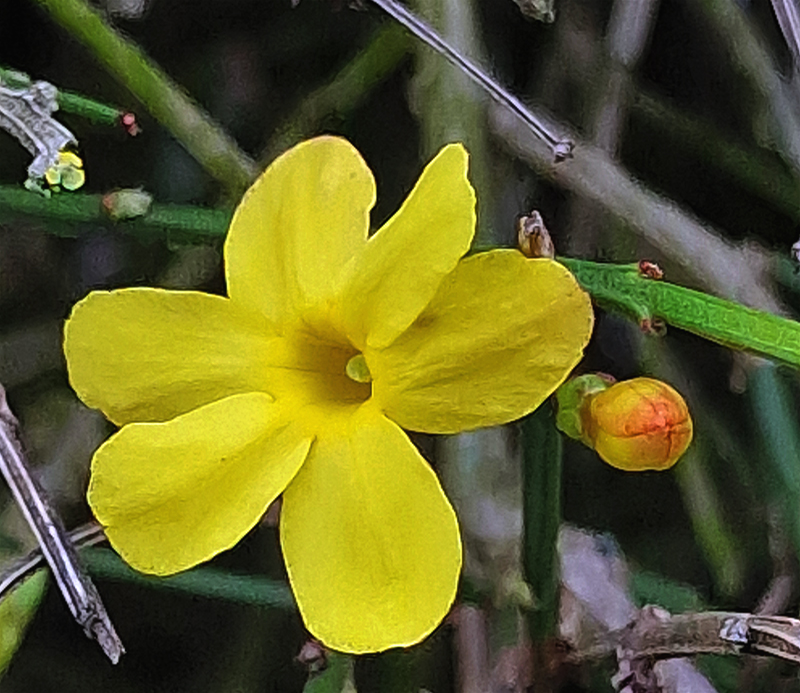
297, 226
405, 261
499, 337
371, 542
150, 354
172, 495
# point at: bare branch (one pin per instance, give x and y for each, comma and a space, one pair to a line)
76, 587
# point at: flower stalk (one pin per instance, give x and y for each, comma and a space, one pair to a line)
542, 455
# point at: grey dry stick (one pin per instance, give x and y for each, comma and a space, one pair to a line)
77, 588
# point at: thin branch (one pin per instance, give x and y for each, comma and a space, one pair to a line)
560, 147
90, 534
76, 587
78, 104
656, 633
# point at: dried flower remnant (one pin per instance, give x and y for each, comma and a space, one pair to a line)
26, 112
533, 238
66, 172
650, 269
300, 382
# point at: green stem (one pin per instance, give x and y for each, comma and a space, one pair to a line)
774, 414
542, 516
65, 211
92, 110
708, 523
203, 581
214, 149
69, 102
624, 288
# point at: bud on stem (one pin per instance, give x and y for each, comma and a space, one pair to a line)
634, 425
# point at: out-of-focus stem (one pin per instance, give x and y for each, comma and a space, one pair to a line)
447, 103
472, 649
214, 149
774, 414
541, 503
703, 505
735, 33
343, 94
628, 32
703, 501
541, 518
751, 168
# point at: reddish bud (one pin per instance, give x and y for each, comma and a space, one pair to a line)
128, 121
650, 270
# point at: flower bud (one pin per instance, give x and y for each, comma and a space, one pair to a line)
637, 424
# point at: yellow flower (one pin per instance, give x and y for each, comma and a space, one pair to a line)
300, 381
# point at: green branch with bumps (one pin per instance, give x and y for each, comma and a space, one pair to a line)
629, 290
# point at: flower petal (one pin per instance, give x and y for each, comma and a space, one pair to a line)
150, 354
297, 226
172, 495
371, 542
404, 262
499, 337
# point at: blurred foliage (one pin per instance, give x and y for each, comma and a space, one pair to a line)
693, 113
16, 612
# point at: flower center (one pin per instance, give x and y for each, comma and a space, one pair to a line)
316, 370
358, 370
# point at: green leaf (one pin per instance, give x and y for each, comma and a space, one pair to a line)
16, 612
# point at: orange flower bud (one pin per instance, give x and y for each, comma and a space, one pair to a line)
638, 424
